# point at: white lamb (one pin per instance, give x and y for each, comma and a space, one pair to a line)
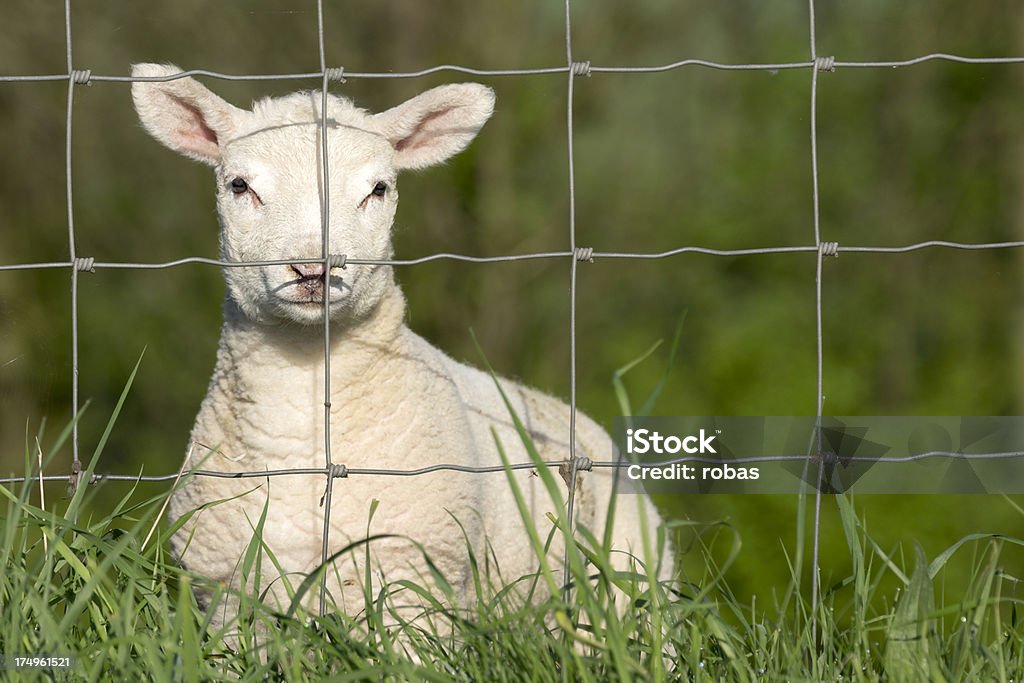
396, 401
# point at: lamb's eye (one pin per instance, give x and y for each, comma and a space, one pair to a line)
239, 186
380, 188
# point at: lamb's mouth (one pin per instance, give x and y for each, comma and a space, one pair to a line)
315, 297
306, 293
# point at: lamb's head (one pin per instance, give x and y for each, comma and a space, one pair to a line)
269, 171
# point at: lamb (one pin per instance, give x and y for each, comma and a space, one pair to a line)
396, 401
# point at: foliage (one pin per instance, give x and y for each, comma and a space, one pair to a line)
104, 591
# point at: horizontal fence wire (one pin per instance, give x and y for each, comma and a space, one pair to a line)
345, 472
340, 74
581, 254
572, 70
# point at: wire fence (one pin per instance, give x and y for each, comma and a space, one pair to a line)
575, 254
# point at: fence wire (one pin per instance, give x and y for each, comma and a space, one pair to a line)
575, 254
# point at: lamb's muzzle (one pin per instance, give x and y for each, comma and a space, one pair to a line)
311, 281
309, 271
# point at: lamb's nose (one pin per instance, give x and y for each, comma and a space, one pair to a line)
309, 271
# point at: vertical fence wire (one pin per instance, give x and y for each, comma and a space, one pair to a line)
325, 206
76, 465
816, 536
572, 463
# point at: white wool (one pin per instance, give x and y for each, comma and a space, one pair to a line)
396, 401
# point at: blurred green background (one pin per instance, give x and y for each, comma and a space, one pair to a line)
688, 157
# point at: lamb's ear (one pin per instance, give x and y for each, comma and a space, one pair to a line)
182, 113
436, 124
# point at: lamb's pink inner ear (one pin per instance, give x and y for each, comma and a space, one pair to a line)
423, 133
194, 132
436, 124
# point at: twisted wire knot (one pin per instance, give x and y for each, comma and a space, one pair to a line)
92, 480
584, 254
334, 471
81, 77
829, 249
335, 73
583, 463
87, 264
580, 69
337, 260
577, 464
825, 63
73, 477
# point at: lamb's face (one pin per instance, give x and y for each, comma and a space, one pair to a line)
269, 196
270, 188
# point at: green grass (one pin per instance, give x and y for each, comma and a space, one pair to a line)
100, 586
92, 589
